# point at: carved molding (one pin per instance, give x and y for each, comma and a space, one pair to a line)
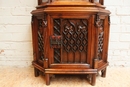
98, 21
44, 21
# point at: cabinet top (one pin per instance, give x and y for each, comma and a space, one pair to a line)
70, 6
70, 3
50, 1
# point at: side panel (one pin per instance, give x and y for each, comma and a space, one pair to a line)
38, 36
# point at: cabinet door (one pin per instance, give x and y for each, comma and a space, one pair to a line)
70, 40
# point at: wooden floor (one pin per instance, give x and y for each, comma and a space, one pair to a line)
24, 77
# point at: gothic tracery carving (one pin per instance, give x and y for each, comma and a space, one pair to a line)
40, 39
99, 23
74, 34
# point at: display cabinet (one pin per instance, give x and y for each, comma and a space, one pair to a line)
70, 37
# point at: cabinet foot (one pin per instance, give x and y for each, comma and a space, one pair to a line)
93, 80
36, 72
47, 79
103, 73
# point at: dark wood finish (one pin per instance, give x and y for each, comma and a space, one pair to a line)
103, 72
70, 37
47, 79
93, 82
36, 72
101, 1
39, 2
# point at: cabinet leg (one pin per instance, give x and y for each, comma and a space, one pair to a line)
89, 77
47, 79
93, 80
36, 72
103, 72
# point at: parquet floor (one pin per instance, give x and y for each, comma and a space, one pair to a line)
24, 77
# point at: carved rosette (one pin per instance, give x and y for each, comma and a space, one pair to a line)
100, 25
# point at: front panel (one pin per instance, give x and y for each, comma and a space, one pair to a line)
69, 40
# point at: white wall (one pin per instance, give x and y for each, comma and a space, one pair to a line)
119, 45
15, 32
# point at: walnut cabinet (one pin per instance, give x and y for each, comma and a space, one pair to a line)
70, 37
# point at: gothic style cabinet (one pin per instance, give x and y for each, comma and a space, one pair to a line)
70, 37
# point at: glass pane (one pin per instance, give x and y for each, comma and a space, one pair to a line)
44, 0
96, 1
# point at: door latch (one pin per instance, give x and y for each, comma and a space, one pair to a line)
55, 41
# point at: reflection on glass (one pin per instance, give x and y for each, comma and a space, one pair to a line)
44, 0
96, 0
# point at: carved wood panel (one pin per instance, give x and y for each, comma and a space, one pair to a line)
74, 34
57, 32
41, 39
100, 39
